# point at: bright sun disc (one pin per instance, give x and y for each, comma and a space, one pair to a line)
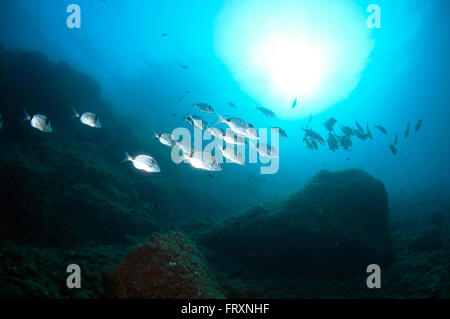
294, 66
279, 51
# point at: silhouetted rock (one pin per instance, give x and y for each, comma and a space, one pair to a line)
336, 225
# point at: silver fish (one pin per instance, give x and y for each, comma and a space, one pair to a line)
345, 141
279, 131
39, 122
332, 141
393, 149
230, 154
203, 161
196, 121
347, 131
419, 125
239, 126
266, 112
359, 127
166, 139
205, 108
313, 136
216, 132
407, 130
88, 118
143, 162
266, 150
369, 133
294, 104
381, 129
329, 124
230, 137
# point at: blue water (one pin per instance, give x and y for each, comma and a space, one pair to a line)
404, 76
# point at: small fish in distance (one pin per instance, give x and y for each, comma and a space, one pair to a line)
418, 125
205, 108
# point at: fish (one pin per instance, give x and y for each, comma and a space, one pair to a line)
393, 149
39, 122
369, 133
345, 141
332, 141
313, 136
187, 92
360, 135
164, 34
216, 132
266, 150
359, 127
347, 131
166, 139
314, 145
308, 143
239, 126
1, 122
266, 112
87, 118
309, 121
381, 129
205, 108
184, 66
329, 124
396, 139
230, 137
143, 162
418, 125
196, 121
407, 130
230, 154
232, 104
203, 161
279, 131
294, 104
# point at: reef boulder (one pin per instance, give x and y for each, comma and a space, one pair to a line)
169, 266
336, 225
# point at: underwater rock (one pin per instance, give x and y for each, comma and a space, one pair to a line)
428, 240
336, 225
69, 187
169, 266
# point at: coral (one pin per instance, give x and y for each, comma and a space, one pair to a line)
169, 266
335, 226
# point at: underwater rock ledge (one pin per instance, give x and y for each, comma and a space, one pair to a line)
336, 225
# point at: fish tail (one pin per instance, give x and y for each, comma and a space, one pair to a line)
221, 119
27, 116
75, 114
127, 157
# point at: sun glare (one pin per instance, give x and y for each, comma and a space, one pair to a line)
294, 66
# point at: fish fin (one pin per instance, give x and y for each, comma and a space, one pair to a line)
155, 134
27, 116
127, 157
75, 114
221, 119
